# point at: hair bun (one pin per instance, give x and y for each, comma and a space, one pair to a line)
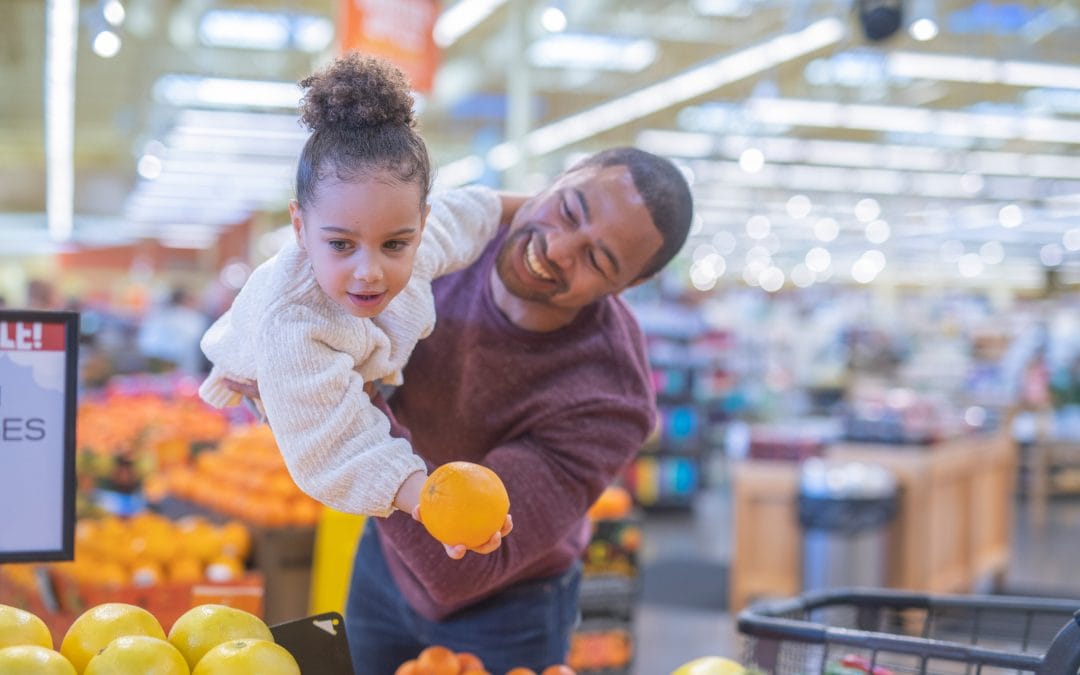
356, 91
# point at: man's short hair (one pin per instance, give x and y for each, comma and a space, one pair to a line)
665, 191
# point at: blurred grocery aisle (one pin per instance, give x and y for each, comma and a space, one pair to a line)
673, 628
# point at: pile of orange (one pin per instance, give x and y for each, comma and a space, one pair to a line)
245, 477
463, 503
164, 428
599, 650
439, 660
148, 549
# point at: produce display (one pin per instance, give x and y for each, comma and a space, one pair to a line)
123, 639
125, 438
439, 660
245, 477
148, 549
714, 665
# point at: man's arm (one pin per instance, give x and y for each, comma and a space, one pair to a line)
552, 476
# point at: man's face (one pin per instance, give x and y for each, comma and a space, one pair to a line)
587, 236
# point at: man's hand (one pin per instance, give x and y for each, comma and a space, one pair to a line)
249, 389
458, 551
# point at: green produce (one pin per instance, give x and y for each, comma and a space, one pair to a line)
710, 665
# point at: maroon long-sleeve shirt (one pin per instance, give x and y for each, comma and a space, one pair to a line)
556, 415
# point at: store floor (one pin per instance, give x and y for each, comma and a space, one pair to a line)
683, 609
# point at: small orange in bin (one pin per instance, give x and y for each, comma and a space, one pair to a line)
469, 661
438, 660
521, 671
408, 668
613, 502
561, 669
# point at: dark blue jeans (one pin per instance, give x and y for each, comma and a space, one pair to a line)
528, 624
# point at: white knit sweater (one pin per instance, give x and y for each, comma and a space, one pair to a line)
311, 358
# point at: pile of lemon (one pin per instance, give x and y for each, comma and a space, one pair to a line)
121, 639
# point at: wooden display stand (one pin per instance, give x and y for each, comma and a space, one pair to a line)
953, 529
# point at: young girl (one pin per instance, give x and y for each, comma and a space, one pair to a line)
345, 303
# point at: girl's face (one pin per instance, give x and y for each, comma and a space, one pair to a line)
361, 238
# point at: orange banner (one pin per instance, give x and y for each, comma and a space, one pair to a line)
399, 30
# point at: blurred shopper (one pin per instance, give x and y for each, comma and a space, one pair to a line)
537, 369
169, 335
342, 306
40, 294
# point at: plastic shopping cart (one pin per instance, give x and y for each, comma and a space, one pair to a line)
884, 632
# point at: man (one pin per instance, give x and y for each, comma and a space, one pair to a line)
537, 370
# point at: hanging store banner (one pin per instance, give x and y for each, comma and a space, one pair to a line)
38, 378
399, 30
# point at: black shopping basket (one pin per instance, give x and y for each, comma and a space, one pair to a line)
887, 632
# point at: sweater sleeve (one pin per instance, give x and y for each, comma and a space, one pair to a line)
215, 344
335, 443
460, 225
552, 476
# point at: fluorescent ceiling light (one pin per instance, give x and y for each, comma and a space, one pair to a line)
857, 154
592, 52
721, 7
459, 172
106, 44
193, 90
462, 17
253, 29
982, 70
687, 85
798, 112
60, 39
677, 143
244, 29
114, 12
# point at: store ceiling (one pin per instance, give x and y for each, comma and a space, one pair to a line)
968, 138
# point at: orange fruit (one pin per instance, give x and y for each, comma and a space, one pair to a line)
475, 671
185, 571
469, 661
521, 671
438, 660
204, 627
613, 502
245, 657
408, 668
137, 655
463, 503
20, 627
33, 660
235, 539
560, 669
98, 626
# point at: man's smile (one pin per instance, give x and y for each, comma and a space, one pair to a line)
533, 261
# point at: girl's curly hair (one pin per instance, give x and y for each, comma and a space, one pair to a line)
359, 110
